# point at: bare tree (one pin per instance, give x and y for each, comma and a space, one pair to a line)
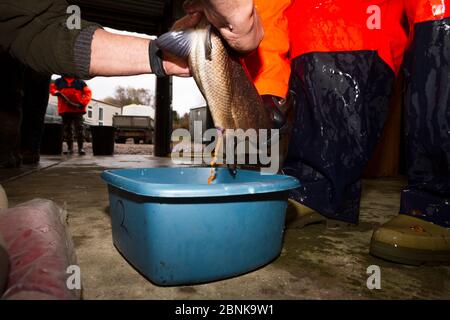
180, 122
126, 96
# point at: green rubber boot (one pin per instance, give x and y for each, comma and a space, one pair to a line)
412, 241
299, 216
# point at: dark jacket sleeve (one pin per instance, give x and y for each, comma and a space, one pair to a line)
36, 33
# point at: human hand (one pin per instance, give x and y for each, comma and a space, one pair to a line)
237, 21
173, 65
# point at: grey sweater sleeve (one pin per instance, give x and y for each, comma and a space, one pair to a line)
36, 33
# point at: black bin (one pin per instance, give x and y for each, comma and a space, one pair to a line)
52, 139
102, 140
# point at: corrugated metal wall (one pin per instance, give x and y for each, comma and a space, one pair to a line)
144, 16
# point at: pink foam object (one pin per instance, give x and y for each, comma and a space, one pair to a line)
40, 251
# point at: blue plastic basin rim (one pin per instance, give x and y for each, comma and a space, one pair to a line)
268, 184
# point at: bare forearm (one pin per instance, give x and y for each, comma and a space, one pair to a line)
118, 55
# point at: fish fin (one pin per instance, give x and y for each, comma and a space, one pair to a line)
176, 42
208, 44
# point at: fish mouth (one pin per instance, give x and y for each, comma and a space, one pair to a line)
181, 42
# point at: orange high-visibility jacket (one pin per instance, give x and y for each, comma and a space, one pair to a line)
297, 27
269, 66
75, 90
426, 10
348, 25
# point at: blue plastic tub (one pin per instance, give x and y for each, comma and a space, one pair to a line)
176, 229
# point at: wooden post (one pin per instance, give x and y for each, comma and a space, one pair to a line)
163, 115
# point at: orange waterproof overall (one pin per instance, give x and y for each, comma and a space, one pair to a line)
344, 56
269, 66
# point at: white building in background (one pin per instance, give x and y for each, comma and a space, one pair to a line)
139, 110
100, 113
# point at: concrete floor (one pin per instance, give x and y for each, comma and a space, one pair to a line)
316, 262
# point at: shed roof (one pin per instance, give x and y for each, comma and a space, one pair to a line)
143, 16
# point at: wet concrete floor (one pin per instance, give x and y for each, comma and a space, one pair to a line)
316, 262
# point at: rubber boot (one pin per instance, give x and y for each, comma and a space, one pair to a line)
299, 216
409, 240
81, 151
69, 149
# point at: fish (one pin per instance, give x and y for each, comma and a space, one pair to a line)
225, 83
232, 98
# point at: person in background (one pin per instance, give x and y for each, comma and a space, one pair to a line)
73, 98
